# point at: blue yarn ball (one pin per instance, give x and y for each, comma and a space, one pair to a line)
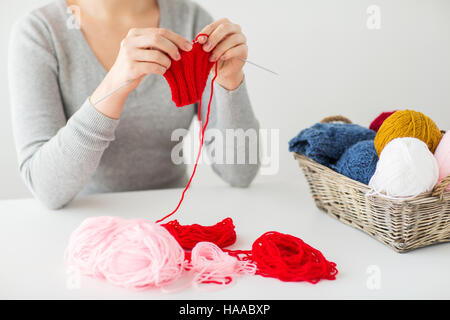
326, 142
359, 161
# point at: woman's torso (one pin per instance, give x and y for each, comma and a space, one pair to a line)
140, 156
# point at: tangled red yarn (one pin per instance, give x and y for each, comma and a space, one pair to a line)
288, 258
221, 234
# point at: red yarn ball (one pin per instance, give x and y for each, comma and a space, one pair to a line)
378, 121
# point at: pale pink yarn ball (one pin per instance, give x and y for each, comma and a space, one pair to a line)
87, 243
442, 155
128, 253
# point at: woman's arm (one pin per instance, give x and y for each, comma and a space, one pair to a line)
58, 156
233, 137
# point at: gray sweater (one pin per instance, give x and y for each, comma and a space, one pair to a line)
66, 147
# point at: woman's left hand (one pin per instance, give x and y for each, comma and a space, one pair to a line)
228, 46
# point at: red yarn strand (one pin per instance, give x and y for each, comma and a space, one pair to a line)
200, 148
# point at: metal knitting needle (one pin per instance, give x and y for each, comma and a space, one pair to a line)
257, 65
112, 92
126, 83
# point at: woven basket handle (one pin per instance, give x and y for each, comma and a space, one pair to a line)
336, 119
440, 187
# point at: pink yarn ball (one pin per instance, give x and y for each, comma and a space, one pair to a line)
86, 243
133, 254
442, 155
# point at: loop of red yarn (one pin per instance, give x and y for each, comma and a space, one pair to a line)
378, 121
221, 234
288, 258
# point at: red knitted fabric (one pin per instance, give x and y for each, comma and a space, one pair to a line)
187, 77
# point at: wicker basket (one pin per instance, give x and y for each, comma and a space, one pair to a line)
403, 225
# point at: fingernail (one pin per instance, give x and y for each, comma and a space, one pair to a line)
202, 39
207, 46
188, 46
212, 58
177, 56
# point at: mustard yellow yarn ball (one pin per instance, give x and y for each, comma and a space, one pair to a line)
408, 123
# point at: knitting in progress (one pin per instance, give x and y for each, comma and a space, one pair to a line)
186, 85
187, 77
139, 254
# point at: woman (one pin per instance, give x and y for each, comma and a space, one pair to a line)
66, 145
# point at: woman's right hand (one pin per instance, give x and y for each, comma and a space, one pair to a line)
142, 52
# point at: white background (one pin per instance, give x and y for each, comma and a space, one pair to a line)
329, 61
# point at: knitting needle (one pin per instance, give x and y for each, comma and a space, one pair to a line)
112, 92
257, 65
129, 81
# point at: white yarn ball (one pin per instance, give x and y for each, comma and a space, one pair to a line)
406, 168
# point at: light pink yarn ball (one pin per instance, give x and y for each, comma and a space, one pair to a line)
129, 253
442, 155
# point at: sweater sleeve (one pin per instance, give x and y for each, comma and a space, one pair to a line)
57, 156
232, 136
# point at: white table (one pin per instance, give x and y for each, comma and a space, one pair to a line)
33, 239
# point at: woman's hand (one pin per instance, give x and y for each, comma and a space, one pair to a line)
143, 51
228, 46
